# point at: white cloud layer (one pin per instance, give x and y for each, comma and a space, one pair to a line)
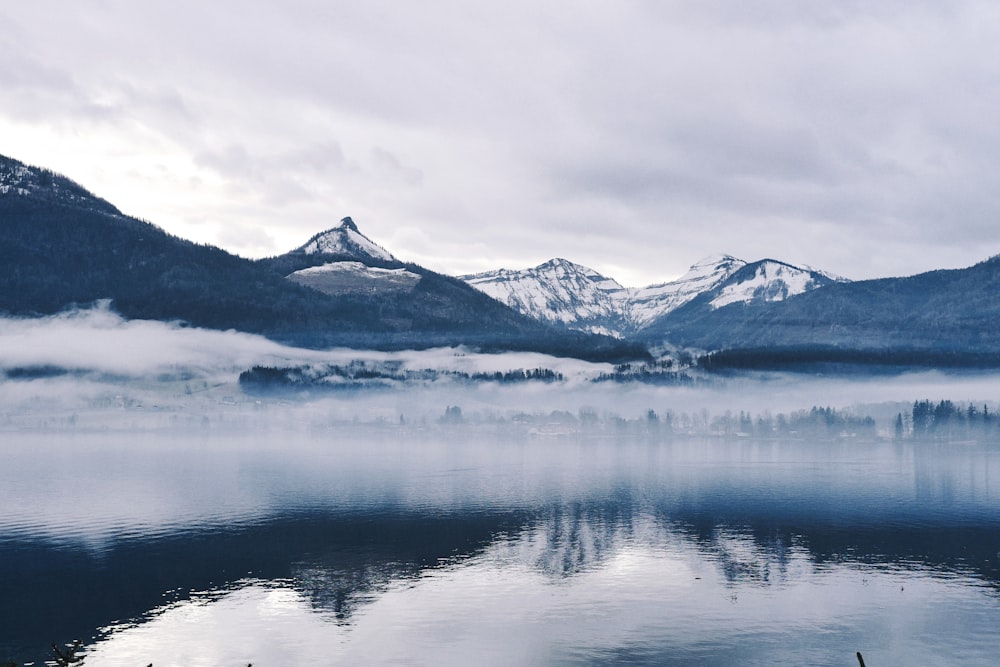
92, 369
633, 137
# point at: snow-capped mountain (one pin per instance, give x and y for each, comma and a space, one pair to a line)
345, 240
580, 298
558, 291
62, 247
342, 261
647, 304
768, 280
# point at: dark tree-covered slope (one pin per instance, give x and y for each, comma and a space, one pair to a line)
941, 311
60, 246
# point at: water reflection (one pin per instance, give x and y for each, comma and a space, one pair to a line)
536, 552
650, 599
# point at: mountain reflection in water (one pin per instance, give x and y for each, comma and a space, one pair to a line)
535, 552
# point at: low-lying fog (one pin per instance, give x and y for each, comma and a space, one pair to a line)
91, 369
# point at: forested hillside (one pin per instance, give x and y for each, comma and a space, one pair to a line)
942, 312
62, 247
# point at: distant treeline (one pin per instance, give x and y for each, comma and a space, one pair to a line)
816, 422
38, 372
942, 421
833, 359
361, 375
649, 372
947, 420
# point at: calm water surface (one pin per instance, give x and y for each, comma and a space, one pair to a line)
453, 549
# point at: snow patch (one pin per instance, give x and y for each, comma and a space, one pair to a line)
355, 268
772, 281
557, 291
341, 278
346, 240
650, 303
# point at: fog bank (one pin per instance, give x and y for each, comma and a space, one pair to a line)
91, 369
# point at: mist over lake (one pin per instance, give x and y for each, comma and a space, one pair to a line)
157, 512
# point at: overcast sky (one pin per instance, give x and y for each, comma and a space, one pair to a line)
633, 137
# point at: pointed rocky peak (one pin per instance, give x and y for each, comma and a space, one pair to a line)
346, 241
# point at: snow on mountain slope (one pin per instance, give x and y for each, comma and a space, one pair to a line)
768, 280
346, 240
15, 178
580, 298
339, 278
558, 291
649, 303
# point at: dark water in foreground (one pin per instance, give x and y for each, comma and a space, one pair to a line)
325, 550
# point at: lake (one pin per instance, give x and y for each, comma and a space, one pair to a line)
342, 546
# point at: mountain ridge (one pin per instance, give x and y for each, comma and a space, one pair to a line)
345, 240
558, 291
946, 310
19, 179
579, 297
62, 247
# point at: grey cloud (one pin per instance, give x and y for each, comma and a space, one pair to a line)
768, 122
237, 160
811, 14
390, 166
301, 173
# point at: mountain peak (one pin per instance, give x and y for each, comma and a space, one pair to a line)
346, 240
557, 263
558, 291
767, 280
578, 297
